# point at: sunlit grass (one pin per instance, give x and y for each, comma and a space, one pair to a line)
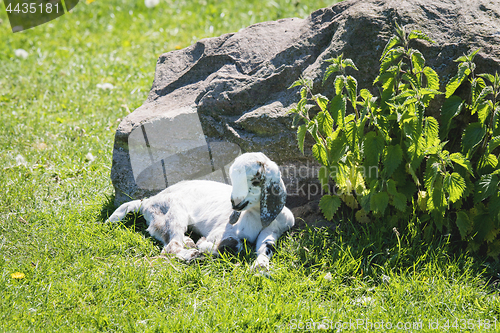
79, 274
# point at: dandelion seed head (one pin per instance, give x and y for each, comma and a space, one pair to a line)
151, 3
105, 86
20, 53
20, 160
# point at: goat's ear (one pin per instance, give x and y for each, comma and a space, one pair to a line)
239, 189
273, 196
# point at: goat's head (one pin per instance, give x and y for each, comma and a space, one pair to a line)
256, 182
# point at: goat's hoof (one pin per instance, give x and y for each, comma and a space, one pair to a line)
188, 255
230, 244
261, 264
189, 243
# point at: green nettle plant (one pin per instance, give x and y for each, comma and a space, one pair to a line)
390, 160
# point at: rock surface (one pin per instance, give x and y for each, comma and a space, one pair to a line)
232, 89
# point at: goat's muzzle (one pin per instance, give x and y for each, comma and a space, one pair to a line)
239, 206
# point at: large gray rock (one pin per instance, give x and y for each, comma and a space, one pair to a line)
231, 91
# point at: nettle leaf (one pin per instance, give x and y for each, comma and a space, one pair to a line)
496, 120
333, 68
302, 81
365, 94
486, 186
461, 59
378, 202
478, 86
393, 41
322, 102
494, 142
432, 78
295, 84
454, 185
312, 128
301, 135
417, 34
361, 216
491, 235
329, 204
418, 61
296, 119
325, 123
429, 93
484, 93
488, 77
482, 224
364, 200
437, 201
472, 136
337, 146
302, 106
400, 31
352, 89
351, 134
337, 109
350, 201
431, 174
399, 201
408, 127
456, 81
349, 63
339, 176
390, 57
472, 54
483, 110
494, 249
324, 177
339, 84
494, 206
391, 187
403, 96
431, 131
303, 93
388, 85
392, 159
319, 152
487, 164
450, 109
460, 159
464, 224
373, 147
410, 78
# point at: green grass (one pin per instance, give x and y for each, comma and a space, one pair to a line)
85, 275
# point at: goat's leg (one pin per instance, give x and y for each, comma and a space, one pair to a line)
265, 247
207, 246
169, 228
266, 241
189, 243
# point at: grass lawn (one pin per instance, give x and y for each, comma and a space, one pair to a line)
56, 137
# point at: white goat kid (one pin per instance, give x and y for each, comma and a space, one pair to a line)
253, 208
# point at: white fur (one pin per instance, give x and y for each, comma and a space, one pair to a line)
207, 206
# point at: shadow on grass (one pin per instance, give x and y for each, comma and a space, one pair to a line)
372, 251
137, 223
133, 221
367, 251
